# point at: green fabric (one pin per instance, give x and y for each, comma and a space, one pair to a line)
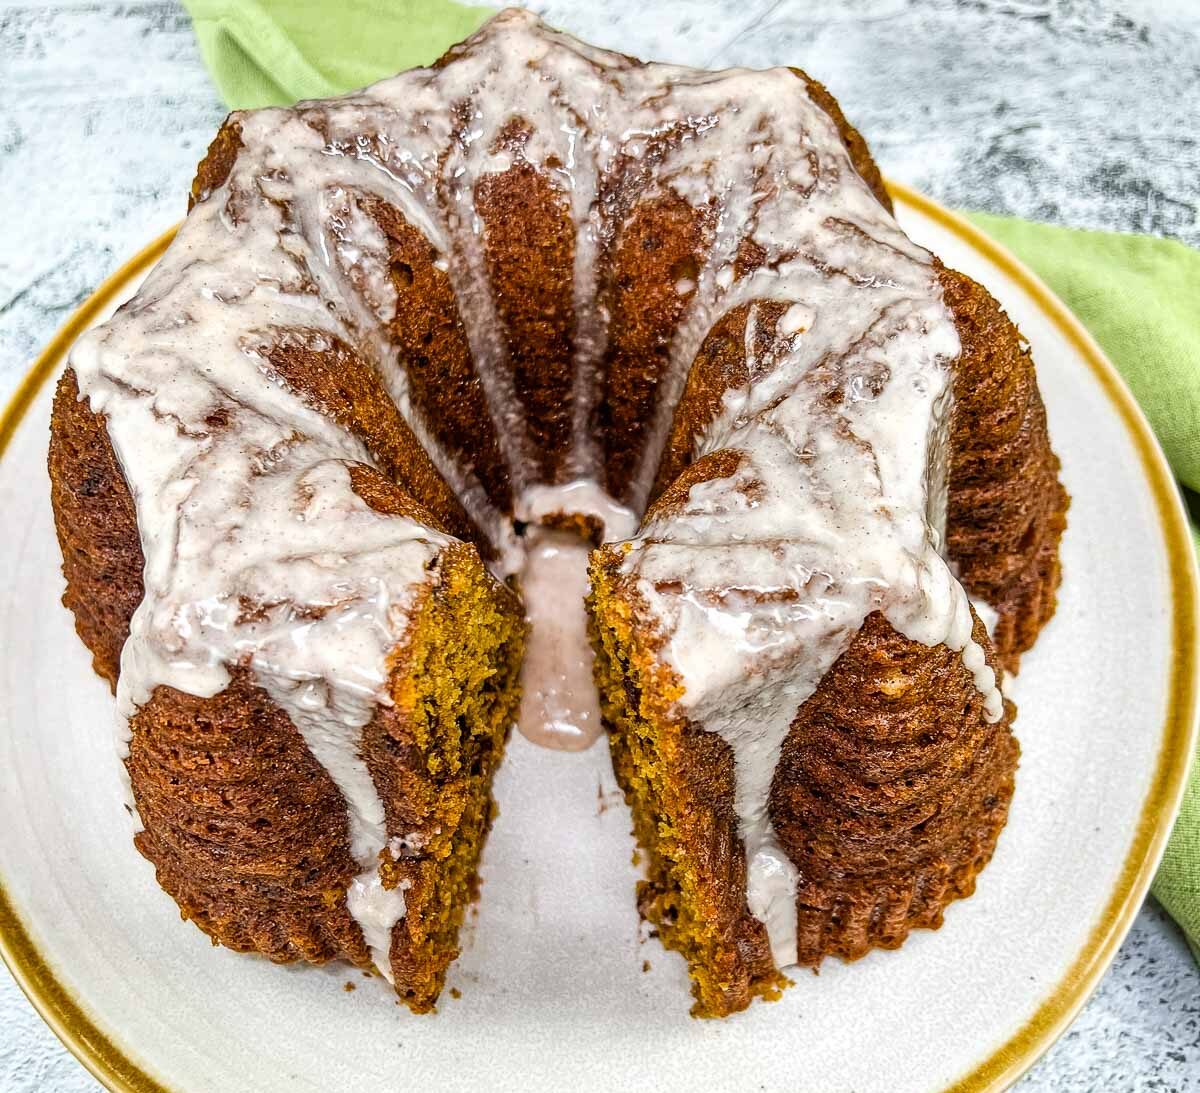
273, 52
1139, 296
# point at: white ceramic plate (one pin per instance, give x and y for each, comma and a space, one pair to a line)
559, 986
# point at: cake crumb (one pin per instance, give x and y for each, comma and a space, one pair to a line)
348, 987
636, 858
455, 992
645, 965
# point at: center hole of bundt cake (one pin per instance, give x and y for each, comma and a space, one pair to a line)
559, 705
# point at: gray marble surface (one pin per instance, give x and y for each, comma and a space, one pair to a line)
1077, 111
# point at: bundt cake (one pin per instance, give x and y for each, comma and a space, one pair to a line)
415, 355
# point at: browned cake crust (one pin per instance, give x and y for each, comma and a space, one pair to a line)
97, 528
662, 244
890, 793
1007, 509
245, 829
529, 246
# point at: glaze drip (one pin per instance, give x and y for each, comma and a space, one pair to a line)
559, 705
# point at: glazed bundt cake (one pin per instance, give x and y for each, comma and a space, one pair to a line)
414, 355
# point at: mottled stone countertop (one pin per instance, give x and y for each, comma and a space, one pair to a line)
1082, 112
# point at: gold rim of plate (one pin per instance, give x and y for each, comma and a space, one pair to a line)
109, 1061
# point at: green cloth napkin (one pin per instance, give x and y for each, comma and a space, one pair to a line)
1138, 295
273, 52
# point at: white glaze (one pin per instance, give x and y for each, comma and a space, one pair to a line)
376, 910
835, 511
559, 705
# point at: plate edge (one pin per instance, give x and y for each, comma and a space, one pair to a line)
112, 1066
1182, 724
